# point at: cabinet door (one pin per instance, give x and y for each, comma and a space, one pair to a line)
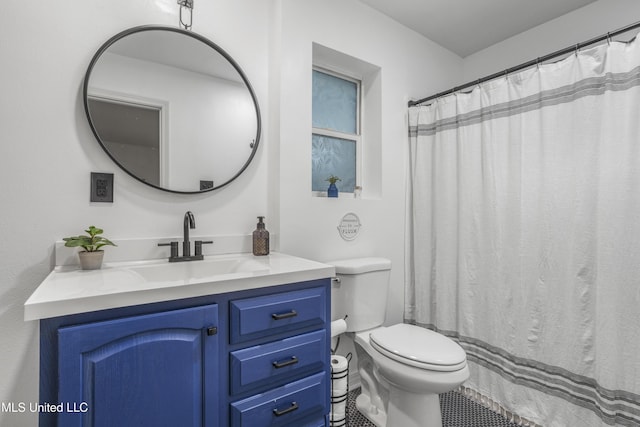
157, 369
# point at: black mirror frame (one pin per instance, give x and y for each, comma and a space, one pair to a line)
200, 38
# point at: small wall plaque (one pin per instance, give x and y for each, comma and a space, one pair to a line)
349, 226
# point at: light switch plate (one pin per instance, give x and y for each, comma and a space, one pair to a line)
101, 187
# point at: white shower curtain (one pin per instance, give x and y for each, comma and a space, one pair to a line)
523, 235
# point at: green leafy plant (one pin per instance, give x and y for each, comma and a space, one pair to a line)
333, 179
91, 243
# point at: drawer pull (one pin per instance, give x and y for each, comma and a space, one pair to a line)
281, 316
289, 362
279, 413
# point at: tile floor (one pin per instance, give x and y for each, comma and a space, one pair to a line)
457, 411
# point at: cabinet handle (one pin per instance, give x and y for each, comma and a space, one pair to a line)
281, 316
279, 413
291, 361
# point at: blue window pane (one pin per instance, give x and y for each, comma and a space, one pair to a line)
333, 156
335, 103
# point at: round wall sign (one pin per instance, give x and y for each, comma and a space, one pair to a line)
349, 226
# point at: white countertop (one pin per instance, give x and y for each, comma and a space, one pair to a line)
70, 290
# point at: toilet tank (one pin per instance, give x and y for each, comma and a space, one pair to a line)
360, 292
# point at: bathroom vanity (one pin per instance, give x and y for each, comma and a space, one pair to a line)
233, 340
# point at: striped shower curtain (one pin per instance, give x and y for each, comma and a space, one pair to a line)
523, 237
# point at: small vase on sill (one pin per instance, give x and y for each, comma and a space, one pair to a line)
332, 191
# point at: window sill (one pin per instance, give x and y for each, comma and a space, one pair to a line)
341, 195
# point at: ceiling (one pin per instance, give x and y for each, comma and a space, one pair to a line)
468, 26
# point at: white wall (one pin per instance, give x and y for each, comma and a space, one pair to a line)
411, 66
47, 152
583, 24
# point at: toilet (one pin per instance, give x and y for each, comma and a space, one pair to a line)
402, 367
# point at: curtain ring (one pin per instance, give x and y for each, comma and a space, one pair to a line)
538, 63
577, 48
609, 38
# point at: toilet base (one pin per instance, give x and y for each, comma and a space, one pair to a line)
405, 410
370, 411
413, 410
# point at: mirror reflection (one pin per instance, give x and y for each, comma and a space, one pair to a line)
172, 109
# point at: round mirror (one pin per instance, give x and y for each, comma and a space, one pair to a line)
172, 109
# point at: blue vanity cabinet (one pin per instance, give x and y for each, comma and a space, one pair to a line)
248, 358
148, 370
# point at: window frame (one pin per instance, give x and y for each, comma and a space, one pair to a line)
357, 137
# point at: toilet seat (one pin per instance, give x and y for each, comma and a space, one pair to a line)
418, 347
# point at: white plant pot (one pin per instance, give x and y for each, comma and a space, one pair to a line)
91, 260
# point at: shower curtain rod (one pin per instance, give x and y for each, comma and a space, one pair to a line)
528, 64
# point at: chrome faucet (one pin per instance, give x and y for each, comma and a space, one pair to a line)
189, 223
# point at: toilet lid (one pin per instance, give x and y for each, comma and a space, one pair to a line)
419, 347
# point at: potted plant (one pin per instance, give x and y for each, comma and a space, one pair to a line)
91, 256
332, 191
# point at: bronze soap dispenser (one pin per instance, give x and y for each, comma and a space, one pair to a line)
260, 239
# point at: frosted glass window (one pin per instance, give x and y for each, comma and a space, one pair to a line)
336, 134
335, 103
333, 156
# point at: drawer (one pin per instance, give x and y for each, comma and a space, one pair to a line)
273, 314
301, 403
278, 362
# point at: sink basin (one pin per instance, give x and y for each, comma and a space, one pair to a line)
198, 270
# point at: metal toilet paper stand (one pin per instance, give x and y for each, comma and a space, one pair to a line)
339, 415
